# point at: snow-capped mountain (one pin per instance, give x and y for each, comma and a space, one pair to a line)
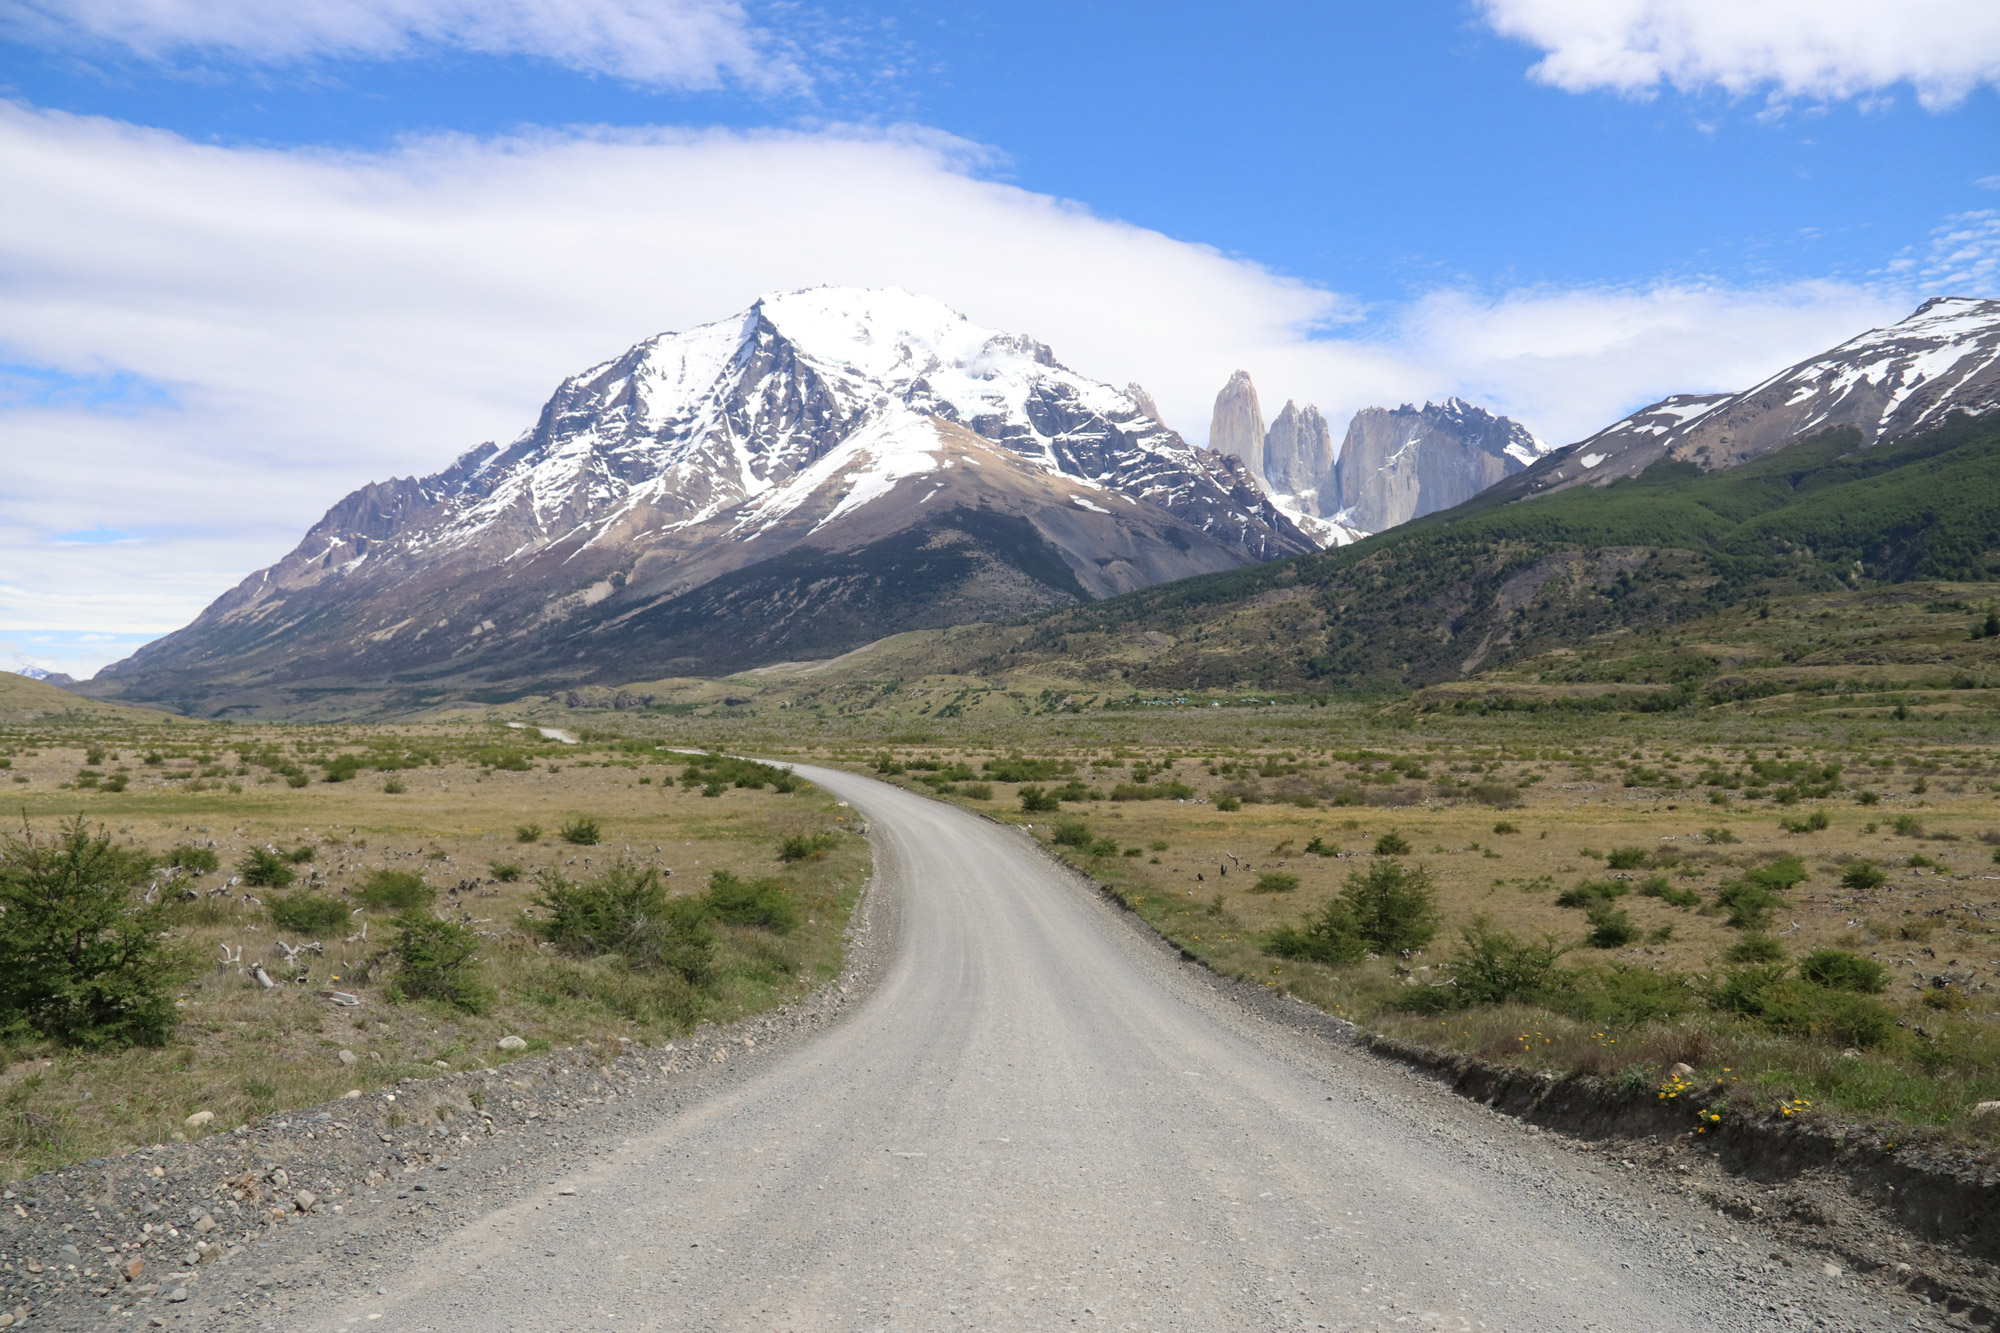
1390, 467
1887, 383
825, 468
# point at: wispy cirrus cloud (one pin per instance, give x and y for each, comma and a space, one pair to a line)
1819, 50
683, 44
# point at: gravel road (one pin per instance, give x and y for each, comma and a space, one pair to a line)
1039, 1118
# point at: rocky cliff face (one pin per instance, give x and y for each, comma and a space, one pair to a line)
826, 468
1886, 384
1299, 457
1402, 464
1236, 428
1391, 466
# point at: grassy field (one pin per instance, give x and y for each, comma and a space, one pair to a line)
337, 808
1612, 849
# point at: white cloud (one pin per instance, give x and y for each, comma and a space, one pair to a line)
674, 43
1815, 49
257, 332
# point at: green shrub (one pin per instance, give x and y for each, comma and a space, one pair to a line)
1719, 835
296, 779
438, 960
265, 869
1103, 847
1781, 875
1495, 966
1037, 801
1610, 927
394, 787
1591, 892
1387, 908
626, 911
399, 890
1750, 904
1275, 881
751, 902
1392, 844
807, 846
1908, 826
1228, 803
1755, 948
527, 833
1071, 833
300, 855
1505, 826
82, 961
978, 791
1625, 858
1317, 847
308, 913
506, 872
1659, 886
1798, 1007
582, 831
1862, 876
1837, 969
1812, 823
194, 860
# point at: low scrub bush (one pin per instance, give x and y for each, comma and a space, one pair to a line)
1387, 908
1659, 886
395, 890
1812, 823
506, 872
265, 869
1591, 892
1037, 801
1837, 969
978, 791
438, 960
527, 833
1392, 844
1496, 966
1071, 833
582, 831
1798, 1007
194, 860
1275, 881
751, 902
1863, 876
626, 911
82, 958
1625, 858
1228, 803
308, 913
719, 770
1610, 927
1755, 948
807, 846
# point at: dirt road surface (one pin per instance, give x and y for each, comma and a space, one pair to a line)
1039, 1118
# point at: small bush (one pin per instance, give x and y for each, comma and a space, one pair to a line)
1392, 844
1275, 881
194, 860
1591, 892
396, 890
265, 869
1394, 906
1495, 966
1755, 948
1908, 826
1812, 823
1228, 803
394, 787
626, 911
978, 791
438, 960
308, 913
506, 872
1610, 927
1836, 969
808, 846
1718, 835
1659, 886
1862, 876
751, 902
82, 961
1798, 1007
1071, 833
296, 779
1039, 801
300, 855
582, 831
527, 833
1103, 847
1749, 904
1625, 858
1505, 826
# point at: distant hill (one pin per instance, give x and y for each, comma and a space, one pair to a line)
1491, 582
26, 699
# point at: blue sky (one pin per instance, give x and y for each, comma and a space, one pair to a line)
273, 253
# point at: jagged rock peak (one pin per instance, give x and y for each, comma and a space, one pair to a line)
1236, 428
1396, 465
1299, 459
1137, 393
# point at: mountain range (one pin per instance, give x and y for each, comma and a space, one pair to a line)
834, 465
